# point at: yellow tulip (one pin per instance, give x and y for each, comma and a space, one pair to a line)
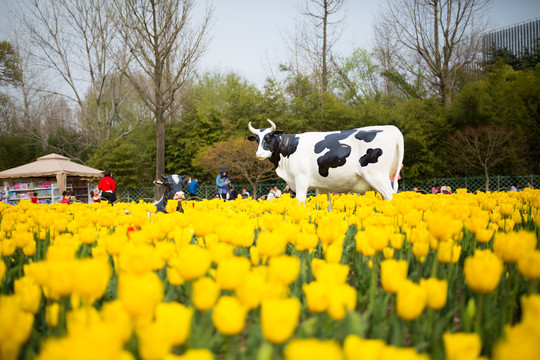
15, 326
366, 349
306, 241
484, 235
176, 319
462, 346
341, 298
51, 314
411, 300
91, 277
193, 262
313, 349
448, 252
29, 294
254, 255
437, 292
283, 269
270, 243
229, 315
205, 293
2, 270
392, 353
231, 272
174, 277
483, 271
510, 246
192, 354
252, 290
331, 273
316, 296
139, 294
279, 318
529, 265
393, 272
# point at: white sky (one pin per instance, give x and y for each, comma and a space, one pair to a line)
249, 35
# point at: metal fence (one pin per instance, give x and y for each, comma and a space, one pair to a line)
472, 184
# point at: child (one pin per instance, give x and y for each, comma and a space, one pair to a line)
65, 198
95, 196
34, 198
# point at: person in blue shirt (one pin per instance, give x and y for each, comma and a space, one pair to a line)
192, 188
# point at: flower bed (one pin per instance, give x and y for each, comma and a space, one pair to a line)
421, 276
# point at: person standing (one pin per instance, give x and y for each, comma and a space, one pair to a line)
192, 188
222, 184
35, 198
107, 186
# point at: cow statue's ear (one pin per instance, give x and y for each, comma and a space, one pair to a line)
278, 132
252, 138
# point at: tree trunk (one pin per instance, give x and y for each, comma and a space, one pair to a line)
160, 152
487, 177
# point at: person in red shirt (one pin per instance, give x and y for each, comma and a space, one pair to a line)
34, 198
107, 185
65, 198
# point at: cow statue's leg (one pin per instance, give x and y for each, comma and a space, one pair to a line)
301, 189
329, 202
379, 182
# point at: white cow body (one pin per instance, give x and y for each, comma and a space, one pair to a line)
355, 160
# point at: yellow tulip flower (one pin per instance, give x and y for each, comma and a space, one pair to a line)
483, 271
229, 315
205, 293
437, 292
279, 318
411, 300
462, 346
393, 272
313, 349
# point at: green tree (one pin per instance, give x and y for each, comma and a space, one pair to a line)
506, 98
130, 159
238, 156
216, 107
357, 77
482, 148
424, 125
10, 68
164, 47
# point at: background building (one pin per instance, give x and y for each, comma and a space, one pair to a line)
515, 38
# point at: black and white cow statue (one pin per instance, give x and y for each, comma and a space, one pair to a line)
354, 160
174, 185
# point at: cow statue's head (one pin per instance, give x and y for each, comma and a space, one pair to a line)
268, 140
173, 184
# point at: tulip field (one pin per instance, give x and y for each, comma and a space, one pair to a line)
418, 277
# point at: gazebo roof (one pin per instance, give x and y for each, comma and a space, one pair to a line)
51, 165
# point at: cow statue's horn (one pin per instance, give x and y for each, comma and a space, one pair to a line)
272, 124
252, 129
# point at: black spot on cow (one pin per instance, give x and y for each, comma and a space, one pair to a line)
367, 135
284, 145
337, 154
371, 157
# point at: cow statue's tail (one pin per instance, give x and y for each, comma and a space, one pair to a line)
398, 161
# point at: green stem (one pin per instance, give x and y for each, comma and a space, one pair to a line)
479, 313
373, 282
